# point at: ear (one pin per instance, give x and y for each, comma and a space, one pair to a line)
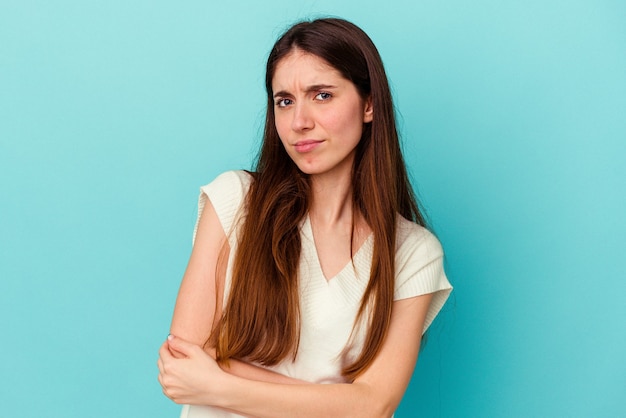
368, 114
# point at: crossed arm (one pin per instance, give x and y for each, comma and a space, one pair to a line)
190, 375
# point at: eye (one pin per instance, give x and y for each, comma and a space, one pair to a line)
283, 102
323, 96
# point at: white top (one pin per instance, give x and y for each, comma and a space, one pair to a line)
329, 307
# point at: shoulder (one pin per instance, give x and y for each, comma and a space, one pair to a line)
227, 190
415, 239
230, 181
226, 193
419, 267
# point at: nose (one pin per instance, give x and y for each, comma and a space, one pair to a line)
302, 118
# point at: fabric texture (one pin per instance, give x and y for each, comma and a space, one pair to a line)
329, 306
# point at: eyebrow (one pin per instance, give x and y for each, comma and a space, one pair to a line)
314, 87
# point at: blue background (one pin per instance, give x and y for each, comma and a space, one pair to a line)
513, 117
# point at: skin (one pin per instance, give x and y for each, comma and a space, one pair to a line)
319, 117
314, 102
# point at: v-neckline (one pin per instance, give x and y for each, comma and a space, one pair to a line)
308, 230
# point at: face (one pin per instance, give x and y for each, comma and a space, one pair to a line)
319, 115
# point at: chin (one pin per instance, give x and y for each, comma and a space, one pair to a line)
307, 168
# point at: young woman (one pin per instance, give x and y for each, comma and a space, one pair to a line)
311, 280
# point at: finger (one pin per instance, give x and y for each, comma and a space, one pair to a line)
184, 347
161, 379
161, 366
164, 351
164, 388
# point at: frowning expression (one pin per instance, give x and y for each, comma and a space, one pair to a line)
319, 114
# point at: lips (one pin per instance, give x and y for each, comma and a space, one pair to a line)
307, 145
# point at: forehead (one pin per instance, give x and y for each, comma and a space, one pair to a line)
303, 68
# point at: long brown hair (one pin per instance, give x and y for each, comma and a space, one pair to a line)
260, 321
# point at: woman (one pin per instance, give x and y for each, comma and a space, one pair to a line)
316, 268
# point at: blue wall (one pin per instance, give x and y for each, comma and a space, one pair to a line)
112, 113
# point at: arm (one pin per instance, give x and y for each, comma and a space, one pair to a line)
196, 304
376, 393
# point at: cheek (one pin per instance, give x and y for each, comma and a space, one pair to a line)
348, 124
336, 121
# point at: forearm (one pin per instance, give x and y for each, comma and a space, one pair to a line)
271, 400
251, 372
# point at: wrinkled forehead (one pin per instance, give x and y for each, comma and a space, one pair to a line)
299, 68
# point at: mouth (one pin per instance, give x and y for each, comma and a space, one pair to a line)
307, 145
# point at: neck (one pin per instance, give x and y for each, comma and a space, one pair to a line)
331, 202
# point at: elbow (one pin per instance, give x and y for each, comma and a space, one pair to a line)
385, 410
379, 411
380, 405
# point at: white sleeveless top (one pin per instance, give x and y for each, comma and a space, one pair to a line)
328, 308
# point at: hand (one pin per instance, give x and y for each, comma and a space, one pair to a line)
194, 379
